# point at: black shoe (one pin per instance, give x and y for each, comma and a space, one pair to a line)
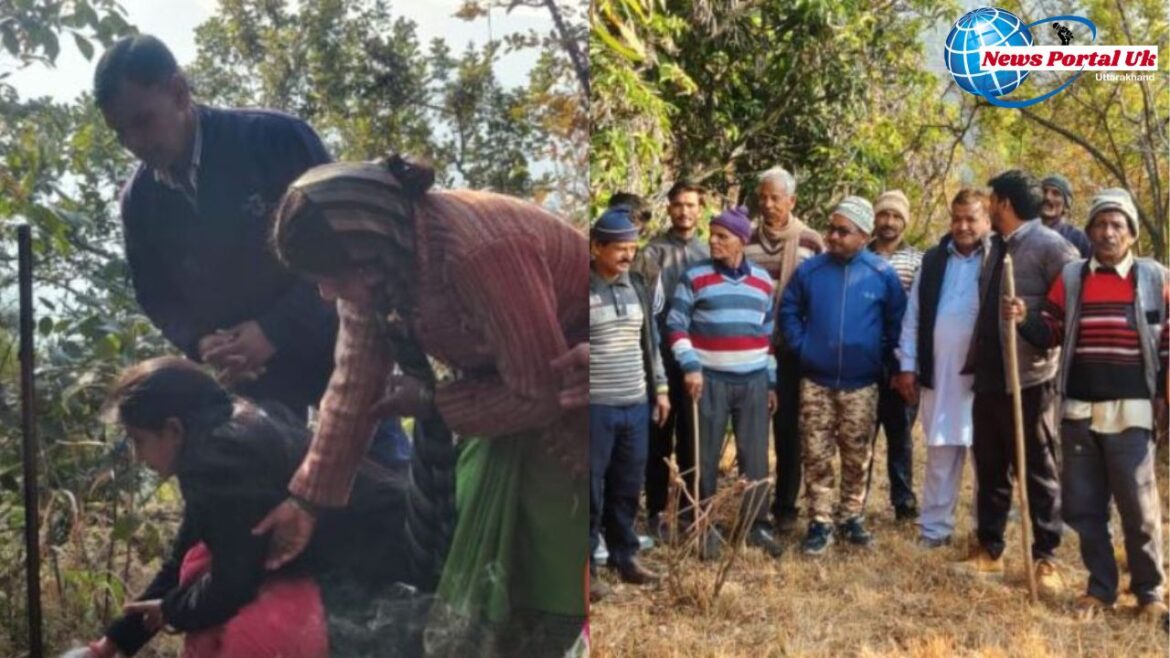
855, 533
786, 522
906, 512
819, 538
762, 537
710, 548
631, 571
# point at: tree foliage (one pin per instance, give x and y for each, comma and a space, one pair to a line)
847, 95
720, 90
1098, 133
362, 77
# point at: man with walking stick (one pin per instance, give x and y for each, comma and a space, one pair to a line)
1109, 314
895, 413
720, 326
1038, 254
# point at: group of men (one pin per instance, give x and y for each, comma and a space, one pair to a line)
829, 338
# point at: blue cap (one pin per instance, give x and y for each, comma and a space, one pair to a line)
614, 225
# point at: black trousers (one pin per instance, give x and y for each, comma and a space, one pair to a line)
675, 437
994, 450
786, 435
897, 418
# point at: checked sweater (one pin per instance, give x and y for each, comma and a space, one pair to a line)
721, 320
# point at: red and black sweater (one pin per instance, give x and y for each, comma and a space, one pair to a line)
1107, 361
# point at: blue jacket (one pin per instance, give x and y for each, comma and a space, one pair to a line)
842, 318
205, 264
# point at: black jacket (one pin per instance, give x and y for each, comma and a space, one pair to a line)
206, 265
233, 469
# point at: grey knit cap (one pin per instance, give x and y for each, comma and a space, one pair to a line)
857, 210
1115, 198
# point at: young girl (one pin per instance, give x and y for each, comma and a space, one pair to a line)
233, 461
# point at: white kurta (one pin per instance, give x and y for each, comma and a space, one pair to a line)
946, 409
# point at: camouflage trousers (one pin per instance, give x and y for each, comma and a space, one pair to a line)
833, 422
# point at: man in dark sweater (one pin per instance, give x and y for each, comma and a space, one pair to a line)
664, 259
1038, 254
195, 217
1056, 209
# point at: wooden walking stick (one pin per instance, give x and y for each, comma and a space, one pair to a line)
1018, 417
695, 447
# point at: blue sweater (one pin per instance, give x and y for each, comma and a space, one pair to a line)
843, 318
721, 320
206, 266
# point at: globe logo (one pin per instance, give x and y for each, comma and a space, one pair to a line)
983, 28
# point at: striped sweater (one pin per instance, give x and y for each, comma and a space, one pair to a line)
1107, 361
906, 260
721, 319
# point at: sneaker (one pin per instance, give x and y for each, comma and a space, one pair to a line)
710, 548
934, 542
762, 537
980, 564
855, 533
601, 555
631, 571
645, 542
1048, 579
819, 537
1153, 612
906, 512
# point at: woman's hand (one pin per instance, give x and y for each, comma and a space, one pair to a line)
292, 527
102, 648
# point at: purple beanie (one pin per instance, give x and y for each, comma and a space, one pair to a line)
735, 220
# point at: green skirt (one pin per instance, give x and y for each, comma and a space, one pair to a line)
514, 579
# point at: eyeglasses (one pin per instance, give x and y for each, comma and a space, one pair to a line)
843, 231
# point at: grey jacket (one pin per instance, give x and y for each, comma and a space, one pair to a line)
665, 258
1038, 256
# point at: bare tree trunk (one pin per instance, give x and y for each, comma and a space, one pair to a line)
572, 48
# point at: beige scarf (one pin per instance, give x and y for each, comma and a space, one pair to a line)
787, 242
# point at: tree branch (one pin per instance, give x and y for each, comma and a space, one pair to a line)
572, 48
1093, 151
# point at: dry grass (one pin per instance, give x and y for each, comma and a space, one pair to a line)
895, 599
